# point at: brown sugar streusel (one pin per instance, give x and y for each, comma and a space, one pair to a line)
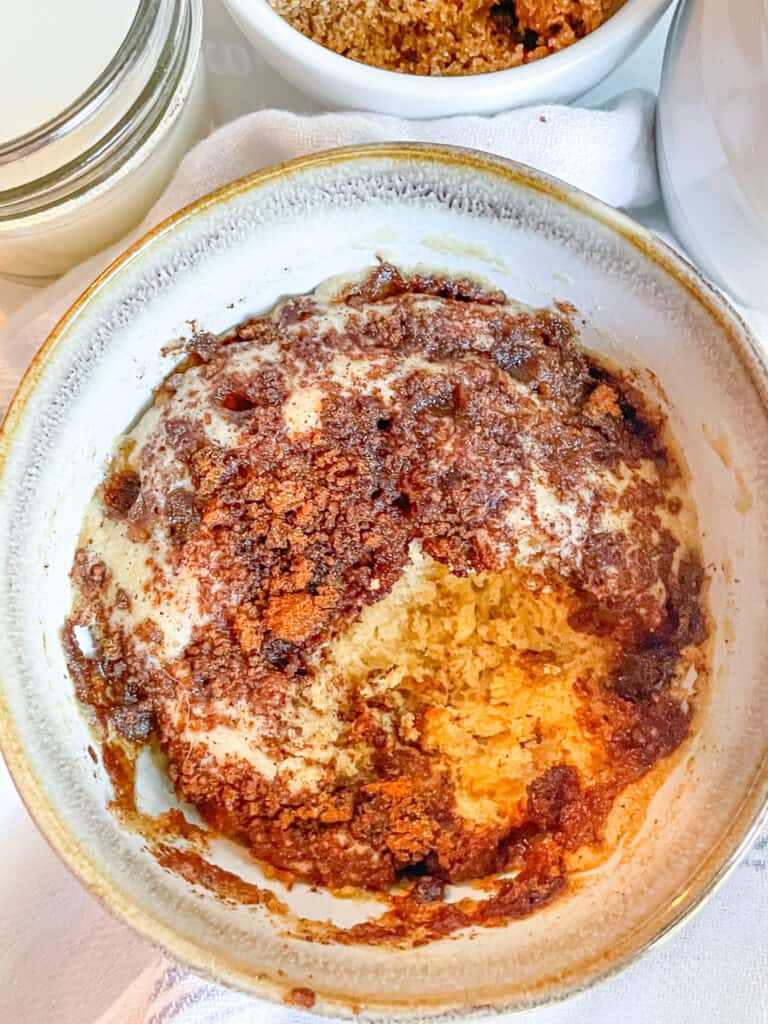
406, 586
445, 37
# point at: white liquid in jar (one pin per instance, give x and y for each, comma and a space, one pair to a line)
51, 51
85, 188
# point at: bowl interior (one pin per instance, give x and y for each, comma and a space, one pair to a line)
234, 254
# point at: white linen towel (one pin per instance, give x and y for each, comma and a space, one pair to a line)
61, 957
608, 153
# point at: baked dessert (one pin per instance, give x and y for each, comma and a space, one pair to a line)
404, 583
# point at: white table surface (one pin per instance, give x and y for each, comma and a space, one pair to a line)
239, 82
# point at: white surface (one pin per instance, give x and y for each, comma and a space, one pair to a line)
713, 146
558, 78
48, 59
715, 970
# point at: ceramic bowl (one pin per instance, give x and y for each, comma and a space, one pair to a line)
234, 253
712, 144
343, 83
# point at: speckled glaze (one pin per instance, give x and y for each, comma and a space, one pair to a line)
233, 253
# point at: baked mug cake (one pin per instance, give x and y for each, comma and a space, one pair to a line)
404, 588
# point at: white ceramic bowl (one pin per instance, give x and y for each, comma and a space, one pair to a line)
233, 253
712, 141
341, 82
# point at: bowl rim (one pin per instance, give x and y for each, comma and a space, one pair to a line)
260, 14
727, 848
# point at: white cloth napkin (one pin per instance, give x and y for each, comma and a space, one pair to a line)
62, 959
607, 152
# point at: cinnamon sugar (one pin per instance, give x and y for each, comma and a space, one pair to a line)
430, 629
445, 37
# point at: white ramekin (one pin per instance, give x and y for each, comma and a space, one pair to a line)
341, 82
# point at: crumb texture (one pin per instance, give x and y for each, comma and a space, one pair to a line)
404, 583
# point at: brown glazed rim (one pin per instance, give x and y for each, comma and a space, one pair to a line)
728, 847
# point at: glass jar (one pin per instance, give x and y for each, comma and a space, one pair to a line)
712, 141
86, 177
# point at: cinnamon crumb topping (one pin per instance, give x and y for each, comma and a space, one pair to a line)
406, 586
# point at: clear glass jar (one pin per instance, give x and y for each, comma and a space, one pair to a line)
712, 142
86, 177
